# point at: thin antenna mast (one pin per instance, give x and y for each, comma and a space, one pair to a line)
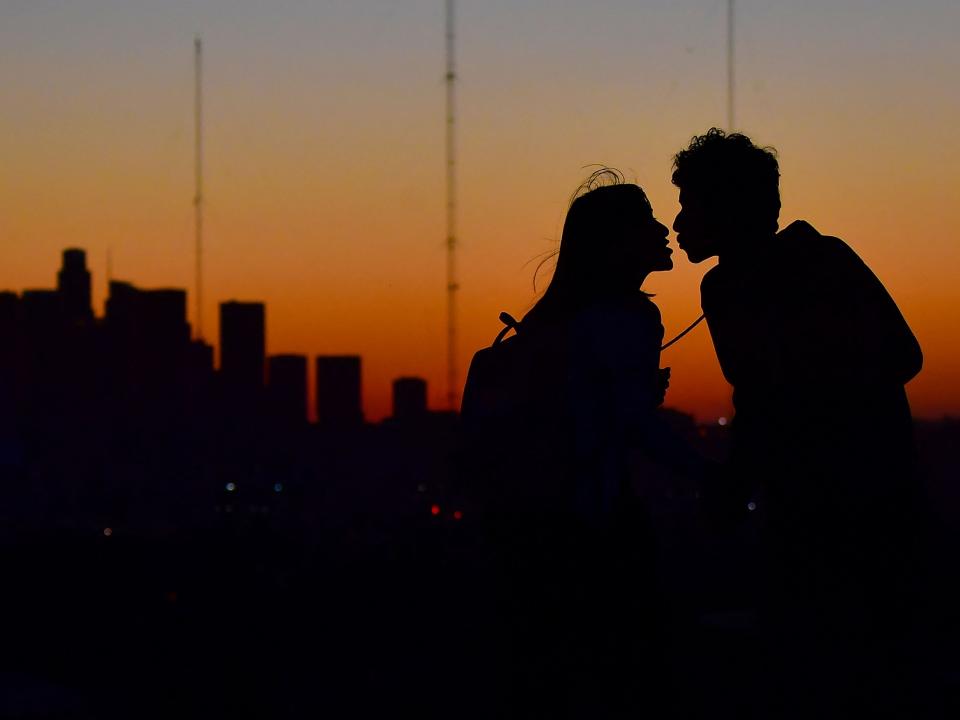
198, 178
452, 286
730, 65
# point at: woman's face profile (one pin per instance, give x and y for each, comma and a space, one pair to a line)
645, 243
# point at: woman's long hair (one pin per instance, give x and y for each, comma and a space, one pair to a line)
589, 263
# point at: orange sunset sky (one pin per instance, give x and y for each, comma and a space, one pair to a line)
325, 167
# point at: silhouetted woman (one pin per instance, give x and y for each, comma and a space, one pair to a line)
611, 242
555, 411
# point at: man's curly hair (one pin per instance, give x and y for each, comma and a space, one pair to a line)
731, 169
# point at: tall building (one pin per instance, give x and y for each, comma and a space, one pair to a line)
165, 312
201, 358
409, 398
155, 319
287, 387
148, 340
9, 319
10, 344
41, 309
338, 391
242, 345
73, 284
121, 303
40, 318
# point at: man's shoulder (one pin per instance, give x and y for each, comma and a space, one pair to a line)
801, 240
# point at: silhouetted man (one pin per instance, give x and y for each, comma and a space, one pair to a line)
818, 355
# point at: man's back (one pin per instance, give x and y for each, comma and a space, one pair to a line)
818, 354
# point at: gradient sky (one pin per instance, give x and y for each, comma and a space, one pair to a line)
324, 155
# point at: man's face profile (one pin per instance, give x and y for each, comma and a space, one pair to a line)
698, 233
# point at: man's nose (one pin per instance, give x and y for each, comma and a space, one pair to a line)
678, 221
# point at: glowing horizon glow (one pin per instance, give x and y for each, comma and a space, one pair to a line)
324, 157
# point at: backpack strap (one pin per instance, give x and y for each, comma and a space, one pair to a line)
510, 324
680, 336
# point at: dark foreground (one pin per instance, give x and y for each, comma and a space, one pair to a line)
374, 616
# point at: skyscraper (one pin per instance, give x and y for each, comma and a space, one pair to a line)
409, 398
10, 345
153, 319
73, 284
338, 391
148, 340
287, 387
242, 345
41, 314
164, 311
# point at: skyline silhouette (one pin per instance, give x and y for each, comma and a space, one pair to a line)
143, 337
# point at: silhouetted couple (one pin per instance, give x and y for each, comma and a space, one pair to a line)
817, 354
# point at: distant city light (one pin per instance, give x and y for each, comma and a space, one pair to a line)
751, 506
434, 509
107, 532
278, 487
231, 486
457, 515
721, 421
422, 488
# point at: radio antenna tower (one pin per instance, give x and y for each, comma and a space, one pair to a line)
452, 286
730, 65
198, 177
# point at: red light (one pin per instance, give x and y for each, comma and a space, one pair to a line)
434, 509
457, 515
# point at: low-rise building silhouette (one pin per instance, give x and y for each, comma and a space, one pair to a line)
409, 398
339, 391
287, 387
